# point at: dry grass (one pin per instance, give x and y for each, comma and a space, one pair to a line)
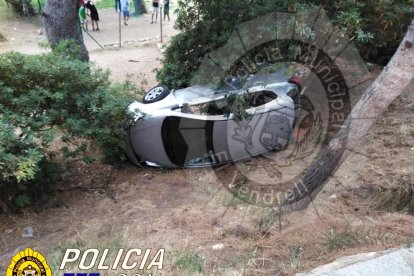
399, 198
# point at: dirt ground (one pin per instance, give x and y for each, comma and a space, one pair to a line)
204, 229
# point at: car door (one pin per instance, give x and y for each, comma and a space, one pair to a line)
189, 141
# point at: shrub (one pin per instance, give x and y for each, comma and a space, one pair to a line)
23, 7
43, 97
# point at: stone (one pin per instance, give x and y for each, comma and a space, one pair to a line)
391, 262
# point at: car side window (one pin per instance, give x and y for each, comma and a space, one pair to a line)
221, 106
261, 98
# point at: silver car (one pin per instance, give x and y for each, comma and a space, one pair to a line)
192, 127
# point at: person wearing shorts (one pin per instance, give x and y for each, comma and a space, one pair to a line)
167, 10
125, 10
82, 17
155, 7
118, 5
93, 13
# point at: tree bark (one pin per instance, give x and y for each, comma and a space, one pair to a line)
61, 22
139, 7
395, 77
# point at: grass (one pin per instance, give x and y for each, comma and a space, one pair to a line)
350, 237
189, 263
113, 245
399, 198
58, 252
105, 4
342, 239
233, 200
295, 256
408, 243
269, 217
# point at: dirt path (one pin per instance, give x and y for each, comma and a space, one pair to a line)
139, 55
191, 215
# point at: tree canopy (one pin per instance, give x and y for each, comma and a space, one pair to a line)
376, 27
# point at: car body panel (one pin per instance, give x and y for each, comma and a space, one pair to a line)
167, 134
147, 143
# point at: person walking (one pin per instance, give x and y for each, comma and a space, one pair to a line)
125, 10
167, 10
155, 8
93, 13
117, 5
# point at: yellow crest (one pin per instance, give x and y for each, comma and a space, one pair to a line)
28, 263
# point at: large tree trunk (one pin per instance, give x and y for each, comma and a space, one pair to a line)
61, 22
139, 7
395, 77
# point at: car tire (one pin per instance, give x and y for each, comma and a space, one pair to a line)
156, 94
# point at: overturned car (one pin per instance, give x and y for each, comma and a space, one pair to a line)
194, 127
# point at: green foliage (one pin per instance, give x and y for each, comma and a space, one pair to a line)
49, 96
189, 263
104, 4
24, 7
376, 27
236, 104
346, 238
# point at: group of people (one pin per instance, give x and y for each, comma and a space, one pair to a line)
88, 9
155, 8
123, 6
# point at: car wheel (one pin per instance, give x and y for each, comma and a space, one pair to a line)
156, 94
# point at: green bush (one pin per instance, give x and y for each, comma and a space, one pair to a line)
376, 27
50, 96
24, 7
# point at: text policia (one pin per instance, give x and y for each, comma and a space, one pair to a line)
131, 260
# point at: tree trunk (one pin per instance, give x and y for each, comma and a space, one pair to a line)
143, 8
61, 22
395, 77
139, 6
